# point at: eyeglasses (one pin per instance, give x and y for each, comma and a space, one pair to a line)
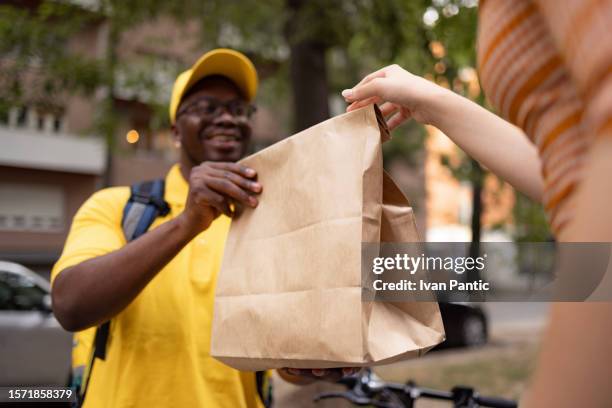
210, 108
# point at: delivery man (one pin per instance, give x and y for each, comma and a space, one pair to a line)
157, 290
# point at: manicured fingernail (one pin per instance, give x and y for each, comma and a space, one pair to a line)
250, 172
253, 201
293, 371
318, 373
347, 93
256, 187
347, 371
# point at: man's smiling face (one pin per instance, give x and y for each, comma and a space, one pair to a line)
213, 122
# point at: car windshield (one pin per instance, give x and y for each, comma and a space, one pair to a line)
17, 292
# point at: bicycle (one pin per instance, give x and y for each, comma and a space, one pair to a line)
367, 389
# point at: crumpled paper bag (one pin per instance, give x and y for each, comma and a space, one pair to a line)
289, 290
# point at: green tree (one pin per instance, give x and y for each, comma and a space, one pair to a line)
38, 67
306, 51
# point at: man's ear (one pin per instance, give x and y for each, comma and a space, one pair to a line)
176, 135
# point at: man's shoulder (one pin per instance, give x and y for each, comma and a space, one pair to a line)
110, 196
96, 228
105, 203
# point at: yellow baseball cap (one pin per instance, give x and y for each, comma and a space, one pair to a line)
233, 65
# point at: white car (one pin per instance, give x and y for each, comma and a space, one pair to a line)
34, 349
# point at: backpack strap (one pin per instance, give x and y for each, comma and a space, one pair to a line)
264, 388
145, 204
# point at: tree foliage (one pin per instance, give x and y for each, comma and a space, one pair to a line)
38, 66
434, 38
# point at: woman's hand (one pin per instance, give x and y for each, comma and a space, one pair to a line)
495, 143
401, 95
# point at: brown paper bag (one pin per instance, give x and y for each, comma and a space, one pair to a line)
289, 290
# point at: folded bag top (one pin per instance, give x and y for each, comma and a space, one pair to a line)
289, 290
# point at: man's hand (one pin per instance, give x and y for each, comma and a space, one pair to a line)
214, 188
307, 376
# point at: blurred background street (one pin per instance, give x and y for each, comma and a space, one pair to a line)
85, 87
501, 367
84, 91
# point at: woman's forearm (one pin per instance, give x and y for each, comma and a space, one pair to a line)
496, 144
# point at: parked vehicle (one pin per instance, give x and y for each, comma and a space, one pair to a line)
34, 349
465, 324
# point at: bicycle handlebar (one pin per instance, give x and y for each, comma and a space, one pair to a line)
456, 395
495, 402
366, 389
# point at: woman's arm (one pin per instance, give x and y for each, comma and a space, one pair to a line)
496, 144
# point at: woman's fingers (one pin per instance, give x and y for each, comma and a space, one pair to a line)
381, 73
400, 117
376, 87
394, 114
362, 103
388, 108
359, 92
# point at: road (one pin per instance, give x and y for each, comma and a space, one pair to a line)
508, 316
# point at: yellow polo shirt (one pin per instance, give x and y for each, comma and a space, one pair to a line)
158, 347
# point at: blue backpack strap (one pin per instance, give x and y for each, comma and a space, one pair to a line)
145, 204
264, 388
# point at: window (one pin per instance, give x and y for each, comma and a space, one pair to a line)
22, 115
31, 118
31, 207
57, 124
4, 113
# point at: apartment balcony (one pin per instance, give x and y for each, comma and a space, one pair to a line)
45, 176
57, 151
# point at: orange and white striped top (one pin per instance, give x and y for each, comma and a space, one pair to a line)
547, 67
